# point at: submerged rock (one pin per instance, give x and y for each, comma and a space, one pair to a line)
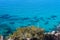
58, 27
53, 17
5, 16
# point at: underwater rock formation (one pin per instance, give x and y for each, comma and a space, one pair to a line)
5, 16
5, 29
42, 18
14, 21
53, 17
47, 22
58, 27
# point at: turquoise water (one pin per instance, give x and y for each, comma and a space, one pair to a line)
12, 13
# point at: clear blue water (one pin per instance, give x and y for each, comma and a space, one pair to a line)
47, 12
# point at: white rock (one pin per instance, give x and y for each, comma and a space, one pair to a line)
53, 32
45, 33
28, 38
56, 34
10, 38
1, 38
48, 33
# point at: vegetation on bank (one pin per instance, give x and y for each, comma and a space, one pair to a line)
28, 32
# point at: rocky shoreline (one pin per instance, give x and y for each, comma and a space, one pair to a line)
32, 33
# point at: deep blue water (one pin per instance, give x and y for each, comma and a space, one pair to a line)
12, 13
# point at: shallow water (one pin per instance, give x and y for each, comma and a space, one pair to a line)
16, 13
